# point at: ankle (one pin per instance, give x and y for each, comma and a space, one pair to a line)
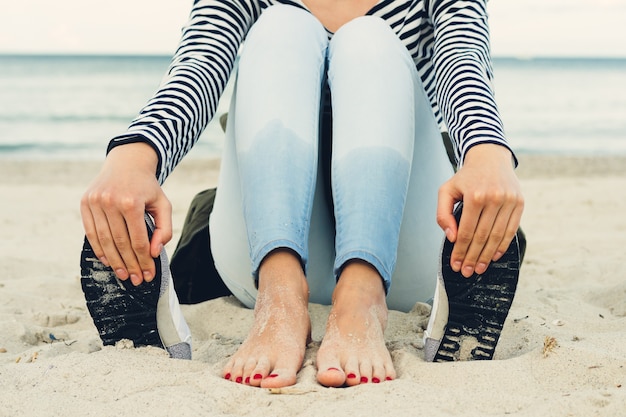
360, 280
281, 274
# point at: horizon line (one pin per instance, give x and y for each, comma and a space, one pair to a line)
520, 57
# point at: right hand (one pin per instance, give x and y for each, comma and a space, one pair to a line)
492, 208
113, 210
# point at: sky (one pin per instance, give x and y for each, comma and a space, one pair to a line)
521, 28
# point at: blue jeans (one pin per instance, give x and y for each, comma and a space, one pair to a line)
387, 159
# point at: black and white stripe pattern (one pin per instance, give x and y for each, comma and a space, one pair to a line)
448, 39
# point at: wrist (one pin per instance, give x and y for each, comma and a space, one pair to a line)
138, 154
489, 152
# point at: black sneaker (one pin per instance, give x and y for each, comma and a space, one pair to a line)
468, 313
148, 315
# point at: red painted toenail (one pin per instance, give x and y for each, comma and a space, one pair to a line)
238, 380
389, 378
227, 376
258, 376
272, 376
376, 380
247, 380
351, 376
364, 380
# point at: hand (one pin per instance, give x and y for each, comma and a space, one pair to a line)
492, 208
113, 210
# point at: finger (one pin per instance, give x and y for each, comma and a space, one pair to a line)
162, 215
122, 240
105, 238
89, 226
445, 207
494, 240
465, 235
140, 246
511, 230
96, 201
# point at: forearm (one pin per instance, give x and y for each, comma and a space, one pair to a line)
172, 121
463, 75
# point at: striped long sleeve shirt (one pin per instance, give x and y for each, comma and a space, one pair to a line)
448, 40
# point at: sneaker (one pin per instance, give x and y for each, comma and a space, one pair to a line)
468, 313
148, 315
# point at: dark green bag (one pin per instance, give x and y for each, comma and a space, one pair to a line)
193, 269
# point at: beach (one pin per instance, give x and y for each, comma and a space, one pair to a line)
562, 351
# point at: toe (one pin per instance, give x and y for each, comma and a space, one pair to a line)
260, 372
331, 376
236, 373
248, 369
353, 373
227, 371
279, 378
329, 370
284, 372
390, 371
378, 374
366, 372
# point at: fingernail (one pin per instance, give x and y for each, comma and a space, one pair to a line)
147, 276
497, 256
135, 279
247, 381
468, 270
481, 267
239, 379
364, 380
227, 376
258, 376
121, 274
456, 266
105, 261
448, 232
351, 376
376, 380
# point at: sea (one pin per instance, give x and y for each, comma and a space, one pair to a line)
69, 107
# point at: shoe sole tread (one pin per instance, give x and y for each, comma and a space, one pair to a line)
478, 306
119, 309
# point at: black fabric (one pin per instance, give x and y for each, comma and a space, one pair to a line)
193, 269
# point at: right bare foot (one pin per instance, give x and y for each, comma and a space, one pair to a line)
353, 350
272, 354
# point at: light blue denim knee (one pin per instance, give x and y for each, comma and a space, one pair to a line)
370, 74
281, 71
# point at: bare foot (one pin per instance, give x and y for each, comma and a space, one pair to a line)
353, 350
272, 354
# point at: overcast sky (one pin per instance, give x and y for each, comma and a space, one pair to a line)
519, 27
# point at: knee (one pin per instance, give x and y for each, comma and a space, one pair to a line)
366, 37
284, 22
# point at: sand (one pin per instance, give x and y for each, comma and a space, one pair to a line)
572, 294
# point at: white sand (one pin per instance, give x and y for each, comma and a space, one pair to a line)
572, 288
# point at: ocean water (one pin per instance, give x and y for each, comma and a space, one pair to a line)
68, 107
563, 106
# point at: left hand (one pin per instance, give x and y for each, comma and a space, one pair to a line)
492, 208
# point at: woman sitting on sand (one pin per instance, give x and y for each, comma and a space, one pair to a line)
301, 219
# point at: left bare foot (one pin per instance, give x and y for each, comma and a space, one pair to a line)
353, 350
